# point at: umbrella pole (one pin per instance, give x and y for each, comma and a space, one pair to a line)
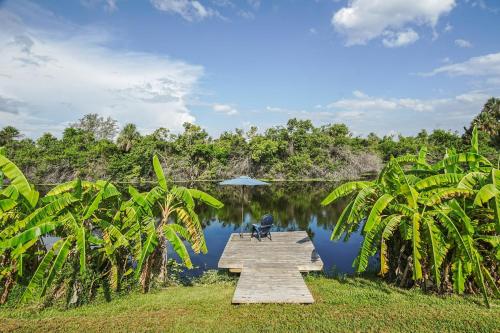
241, 226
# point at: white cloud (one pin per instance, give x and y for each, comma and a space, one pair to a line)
51, 79
448, 27
363, 20
486, 65
401, 38
363, 102
190, 10
255, 4
246, 14
388, 115
224, 109
109, 5
463, 43
364, 114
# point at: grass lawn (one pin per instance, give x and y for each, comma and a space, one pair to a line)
353, 304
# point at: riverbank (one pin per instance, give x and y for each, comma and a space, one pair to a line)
342, 305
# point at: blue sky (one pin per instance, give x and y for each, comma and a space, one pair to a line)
391, 66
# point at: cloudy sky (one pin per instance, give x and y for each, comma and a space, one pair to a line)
383, 66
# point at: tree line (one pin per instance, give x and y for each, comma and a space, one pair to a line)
93, 148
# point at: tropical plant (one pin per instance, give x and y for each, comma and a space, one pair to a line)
78, 215
17, 199
99, 239
440, 222
163, 216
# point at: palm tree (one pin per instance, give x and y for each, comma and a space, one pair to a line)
7, 134
488, 121
447, 215
127, 137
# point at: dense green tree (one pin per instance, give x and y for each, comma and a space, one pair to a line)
296, 150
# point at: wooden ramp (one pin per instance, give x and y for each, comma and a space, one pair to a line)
270, 269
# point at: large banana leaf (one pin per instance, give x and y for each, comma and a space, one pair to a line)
162, 181
445, 179
37, 279
457, 210
447, 194
140, 200
417, 256
69, 186
456, 159
390, 227
10, 192
343, 190
29, 234
147, 247
485, 194
51, 210
368, 247
376, 211
458, 276
190, 220
470, 180
17, 178
495, 180
205, 198
7, 204
118, 237
81, 245
108, 189
177, 245
340, 226
183, 194
57, 265
437, 246
360, 204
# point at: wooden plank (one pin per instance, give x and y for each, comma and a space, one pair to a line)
293, 247
270, 269
271, 283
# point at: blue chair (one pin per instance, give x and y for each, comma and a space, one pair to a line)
263, 229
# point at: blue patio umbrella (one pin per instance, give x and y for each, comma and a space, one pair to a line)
242, 181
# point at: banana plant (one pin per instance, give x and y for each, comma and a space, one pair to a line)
163, 216
77, 213
18, 199
446, 215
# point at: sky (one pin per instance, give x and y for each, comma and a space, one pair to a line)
382, 66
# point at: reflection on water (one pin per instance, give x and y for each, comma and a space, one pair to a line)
294, 205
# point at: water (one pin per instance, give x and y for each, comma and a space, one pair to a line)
294, 205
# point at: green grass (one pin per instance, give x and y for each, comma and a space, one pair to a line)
341, 305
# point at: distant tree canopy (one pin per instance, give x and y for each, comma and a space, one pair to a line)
91, 149
101, 128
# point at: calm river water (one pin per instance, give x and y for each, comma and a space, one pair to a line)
294, 205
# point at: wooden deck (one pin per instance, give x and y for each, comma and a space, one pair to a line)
270, 270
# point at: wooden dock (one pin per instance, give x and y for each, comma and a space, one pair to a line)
270, 269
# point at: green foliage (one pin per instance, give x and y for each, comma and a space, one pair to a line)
102, 236
443, 214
